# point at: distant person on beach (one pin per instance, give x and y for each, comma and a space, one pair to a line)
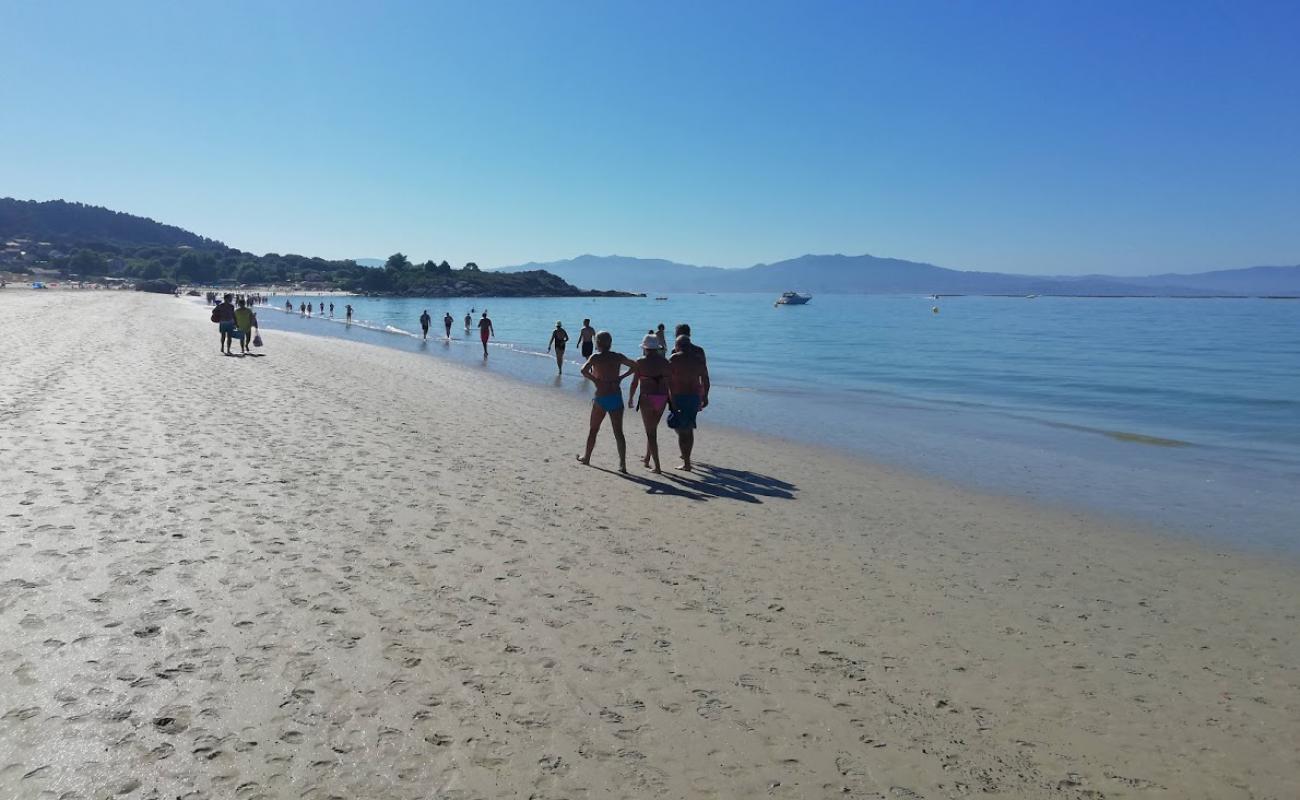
605, 370
349, 311
485, 332
662, 337
224, 316
469, 322
322, 309
425, 319
446, 322
651, 376
559, 340
331, 310
245, 321
585, 338
688, 384
288, 307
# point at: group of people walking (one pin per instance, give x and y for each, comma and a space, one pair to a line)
305, 309
249, 300
677, 383
673, 382
485, 330
235, 320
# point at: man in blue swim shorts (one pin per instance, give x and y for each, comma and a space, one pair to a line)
688, 387
224, 316
605, 369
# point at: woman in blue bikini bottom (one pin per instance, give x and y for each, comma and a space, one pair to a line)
605, 369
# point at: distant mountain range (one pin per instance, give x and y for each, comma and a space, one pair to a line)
82, 240
868, 274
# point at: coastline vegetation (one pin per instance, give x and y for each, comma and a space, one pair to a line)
58, 240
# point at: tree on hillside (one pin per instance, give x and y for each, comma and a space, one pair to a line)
471, 267
397, 261
87, 262
197, 266
444, 267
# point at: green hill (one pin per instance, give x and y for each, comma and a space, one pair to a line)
77, 241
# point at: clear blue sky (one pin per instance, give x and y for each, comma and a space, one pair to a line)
1043, 137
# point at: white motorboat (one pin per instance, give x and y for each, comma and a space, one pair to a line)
793, 299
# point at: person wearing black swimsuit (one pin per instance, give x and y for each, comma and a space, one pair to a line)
559, 339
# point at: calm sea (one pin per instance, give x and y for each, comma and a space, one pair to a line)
1183, 412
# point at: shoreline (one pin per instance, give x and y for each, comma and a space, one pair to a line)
1220, 497
340, 568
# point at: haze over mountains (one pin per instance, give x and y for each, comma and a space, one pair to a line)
873, 275
97, 241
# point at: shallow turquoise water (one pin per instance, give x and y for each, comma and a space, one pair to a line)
1184, 412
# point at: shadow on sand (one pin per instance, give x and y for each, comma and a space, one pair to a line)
708, 482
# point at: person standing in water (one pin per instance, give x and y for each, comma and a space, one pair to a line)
485, 332
605, 370
585, 338
331, 311
425, 319
662, 337
348, 309
469, 322
651, 375
559, 339
688, 385
446, 322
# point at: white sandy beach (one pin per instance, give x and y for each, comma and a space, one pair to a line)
342, 571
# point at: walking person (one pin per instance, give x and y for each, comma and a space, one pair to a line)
224, 315
663, 340
485, 331
245, 322
331, 311
425, 319
604, 368
349, 311
651, 376
585, 338
559, 339
446, 323
684, 329
688, 385
469, 322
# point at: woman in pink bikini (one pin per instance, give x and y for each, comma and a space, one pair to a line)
651, 374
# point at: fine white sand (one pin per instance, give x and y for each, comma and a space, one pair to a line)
342, 571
